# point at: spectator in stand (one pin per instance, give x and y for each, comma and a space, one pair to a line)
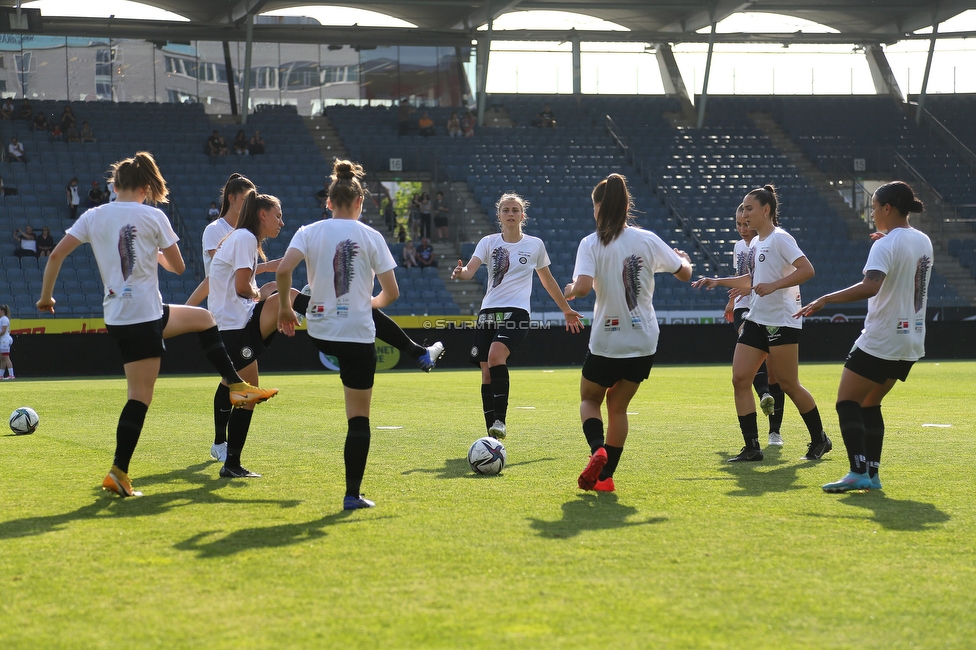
442, 215
15, 151
7, 110
425, 124
403, 117
240, 143
409, 255
256, 146
415, 217
45, 243
68, 120
545, 119
26, 111
425, 254
216, 145
426, 215
213, 212
322, 196
454, 125
389, 214
74, 197
86, 134
6, 190
27, 242
71, 134
40, 122
468, 124
95, 196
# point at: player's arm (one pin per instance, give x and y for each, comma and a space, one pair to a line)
287, 318
803, 271
54, 261
574, 321
683, 273
743, 281
171, 259
466, 272
268, 267
866, 288
389, 290
242, 284
201, 292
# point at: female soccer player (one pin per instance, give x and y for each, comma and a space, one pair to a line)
129, 240
895, 284
6, 365
343, 255
771, 396
504, 318
619, 261
246, 327
770, 332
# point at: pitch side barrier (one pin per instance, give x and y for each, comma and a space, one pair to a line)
86, 354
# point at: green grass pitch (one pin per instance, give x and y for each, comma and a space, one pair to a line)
690, 552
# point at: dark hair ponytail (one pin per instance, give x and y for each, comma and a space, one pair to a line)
615, 207
766, 195
250, 218
900, 196
137, 172
236, 184
346, 184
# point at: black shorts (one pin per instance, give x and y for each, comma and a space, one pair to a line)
739, 317
245, 345
507, 325
357, 361
877, 370
440, 222
140, 340
607, 371
763, 337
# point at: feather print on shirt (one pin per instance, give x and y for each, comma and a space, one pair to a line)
742, 261
127, 250
342, 268
631, 277
499, 265
921, 280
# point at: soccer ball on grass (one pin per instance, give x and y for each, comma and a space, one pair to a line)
487, 456
24, 420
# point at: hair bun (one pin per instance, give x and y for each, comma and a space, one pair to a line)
343, 170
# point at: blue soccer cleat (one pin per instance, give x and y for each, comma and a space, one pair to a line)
876, 482
852, 482
355, 503
429, 359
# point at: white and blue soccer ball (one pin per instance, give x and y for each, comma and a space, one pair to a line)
24, 420
487, 456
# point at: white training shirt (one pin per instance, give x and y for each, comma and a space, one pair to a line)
213, 234
342, 257
510, 268
126, 237
624, 322
894, 328
772, 260
741, 254
5, 339
239, 250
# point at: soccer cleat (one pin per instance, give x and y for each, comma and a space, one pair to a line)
118, 481
9, 377
355, 503
816, 450
605, 485
429, 359
747, 454
852, 482
775, 439
497, 430
306, 291
244, 393
219, 451
767, 404
590, 475
876, 482
237, 472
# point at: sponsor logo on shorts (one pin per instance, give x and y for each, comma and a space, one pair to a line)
772, 333
474, 350
247, 352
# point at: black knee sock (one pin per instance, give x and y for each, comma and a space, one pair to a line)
355, 453
593, 430
300, 304
237, 428
499, 390
613, 457
127, 432
814, 424
779, 401
852, 429
487, 405
389, 332
213, 347
750, 430
873, 437
761, 381
221, 409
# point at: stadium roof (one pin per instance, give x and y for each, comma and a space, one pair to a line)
454, 22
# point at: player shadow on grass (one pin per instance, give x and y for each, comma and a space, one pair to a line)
107, 504
590, 512
774, 474
893, 514
459, 468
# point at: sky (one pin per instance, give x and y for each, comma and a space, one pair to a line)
629, 69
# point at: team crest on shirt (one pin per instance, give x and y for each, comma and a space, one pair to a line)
523, 260
247, 352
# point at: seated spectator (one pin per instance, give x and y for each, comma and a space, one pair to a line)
409, 255
403, 117
425, 124
454, 125
86, 134
240, 143
7, 110
545, 119
26, 111
6, 190
40, 122
95, 196
68, 120
15, 151
45, 243
468, 124
214, 211
26, 242
71, 134
216, 145
256, 146
425, 254
322, 196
